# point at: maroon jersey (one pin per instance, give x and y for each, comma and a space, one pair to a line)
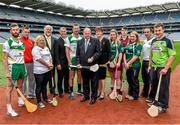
124, 42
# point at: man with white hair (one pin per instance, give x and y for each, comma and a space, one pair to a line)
87, 54
50, 43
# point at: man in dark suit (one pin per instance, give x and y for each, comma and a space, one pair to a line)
61, 62
50, 43
87, 54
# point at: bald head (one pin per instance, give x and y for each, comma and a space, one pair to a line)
87, 33
48, 30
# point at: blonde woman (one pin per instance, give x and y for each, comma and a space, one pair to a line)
42, 69
132, 65
116, 50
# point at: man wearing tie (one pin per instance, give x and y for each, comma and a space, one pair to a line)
50, 43
87, 54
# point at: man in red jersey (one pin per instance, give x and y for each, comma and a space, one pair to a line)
124, 39
28, 43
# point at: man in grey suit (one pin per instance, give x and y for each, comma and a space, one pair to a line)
87, 54
50, 43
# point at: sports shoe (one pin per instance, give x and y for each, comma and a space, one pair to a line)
31, 96
131, 98
127, 96
20, 102
12, 113
161, 110
71, 96
150, 104
41, 105
79, 92
49, 101
149, 100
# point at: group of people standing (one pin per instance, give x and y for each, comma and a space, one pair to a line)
38, 60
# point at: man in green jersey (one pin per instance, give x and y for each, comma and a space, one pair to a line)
13, 59
71, 45
162, 56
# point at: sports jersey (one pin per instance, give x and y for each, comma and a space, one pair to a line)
115, 50
15, 51
161, 49
133, 49
41, 53
124, 42
71, 43
146, 49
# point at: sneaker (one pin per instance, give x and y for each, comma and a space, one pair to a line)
71, 96
131, 98
127, 96
79, 92
150, 104
161, 110
41, 105
12, 113
49, 101
149, 100
20, 102
31, 96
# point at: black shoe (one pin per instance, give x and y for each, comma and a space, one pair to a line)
84, 99
92, 101
67, 91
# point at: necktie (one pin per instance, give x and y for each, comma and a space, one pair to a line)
86, 45
49, 42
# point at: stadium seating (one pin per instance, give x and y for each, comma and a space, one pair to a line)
36, 20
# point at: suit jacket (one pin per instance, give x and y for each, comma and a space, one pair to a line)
52, 50
93, 50
60, 55
105, 51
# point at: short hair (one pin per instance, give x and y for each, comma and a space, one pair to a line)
148, 27
124, 27
62, 28
159, 25
13, 25
25, 27
75, 24
99, 28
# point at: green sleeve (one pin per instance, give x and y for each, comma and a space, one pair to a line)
138, 49
171, 52
120, 48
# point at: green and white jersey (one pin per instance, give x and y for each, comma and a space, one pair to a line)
15, 51
115, 50
71, 42
133, 49
161, 50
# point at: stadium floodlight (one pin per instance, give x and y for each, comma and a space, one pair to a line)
15, 6
39, 10
28, 8
68, 15
3, 4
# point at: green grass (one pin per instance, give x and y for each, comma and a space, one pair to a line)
3, 80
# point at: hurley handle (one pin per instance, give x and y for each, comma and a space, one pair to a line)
158, 89
116, 74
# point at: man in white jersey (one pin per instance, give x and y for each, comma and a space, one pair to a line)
13, 59
148, 32
71, 45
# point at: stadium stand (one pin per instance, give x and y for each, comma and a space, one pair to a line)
168, 14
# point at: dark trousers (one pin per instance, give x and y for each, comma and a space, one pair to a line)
132, 78
63, 74
90, 79
41, 83
145, 78
52, 86
164, 88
